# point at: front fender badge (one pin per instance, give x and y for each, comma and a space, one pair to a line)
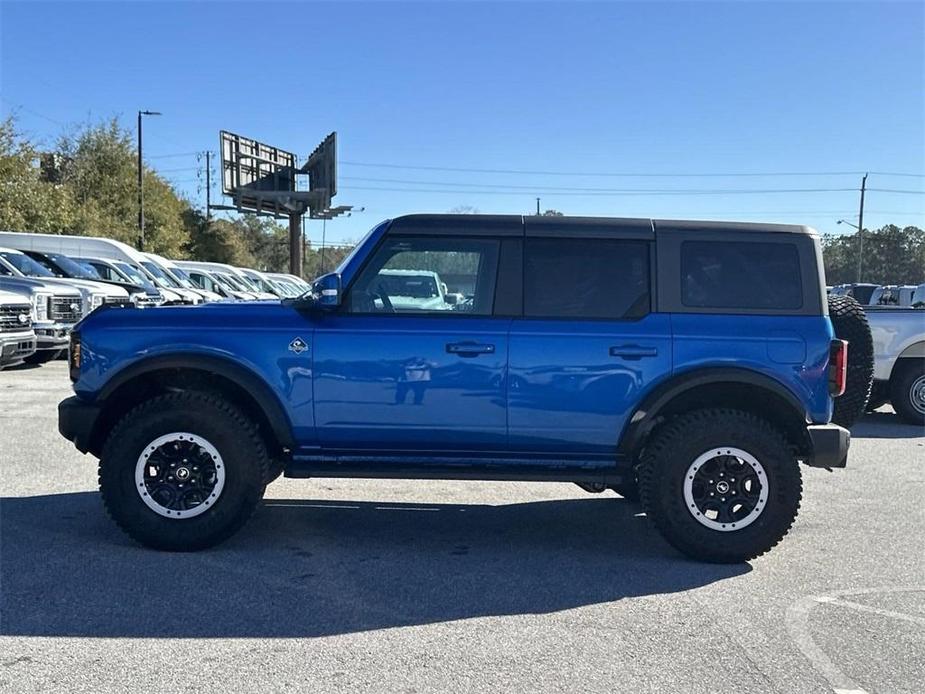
298, 345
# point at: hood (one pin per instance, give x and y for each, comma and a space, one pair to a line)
95, 287
33, 284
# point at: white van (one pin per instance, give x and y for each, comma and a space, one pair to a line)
242, 281
95, 247
177, 274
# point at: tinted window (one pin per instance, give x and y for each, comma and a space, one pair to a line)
424, 275
740, 275
586, 278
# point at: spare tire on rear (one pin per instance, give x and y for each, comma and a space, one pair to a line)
850, 323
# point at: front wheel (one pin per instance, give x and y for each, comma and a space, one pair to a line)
183, 471
720, 485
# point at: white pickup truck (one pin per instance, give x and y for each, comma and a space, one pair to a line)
899, 360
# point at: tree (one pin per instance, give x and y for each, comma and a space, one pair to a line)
891, 256
27, 202
552, 213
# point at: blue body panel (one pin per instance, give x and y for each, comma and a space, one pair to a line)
574, 384
393, 382
792, 350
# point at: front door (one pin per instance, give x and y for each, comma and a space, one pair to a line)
415, 360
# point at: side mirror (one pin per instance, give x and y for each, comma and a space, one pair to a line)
326, 291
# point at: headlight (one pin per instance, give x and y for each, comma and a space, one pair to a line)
40, 306
96, 300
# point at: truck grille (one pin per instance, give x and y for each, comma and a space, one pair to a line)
10, 321
64, 309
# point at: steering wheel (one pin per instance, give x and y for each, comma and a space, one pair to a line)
384, 298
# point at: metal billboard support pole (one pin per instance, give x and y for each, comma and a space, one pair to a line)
295, 243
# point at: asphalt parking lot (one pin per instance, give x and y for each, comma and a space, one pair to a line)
450, 586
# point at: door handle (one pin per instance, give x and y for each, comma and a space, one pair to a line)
633, 352
469, 349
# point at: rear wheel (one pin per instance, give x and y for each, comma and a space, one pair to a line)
850, 323
183, 471
907, 390
720, 485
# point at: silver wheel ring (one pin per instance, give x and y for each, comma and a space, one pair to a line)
745, 457
917, 394
168, 438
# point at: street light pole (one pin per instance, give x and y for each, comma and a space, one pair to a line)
861, 228
141, 183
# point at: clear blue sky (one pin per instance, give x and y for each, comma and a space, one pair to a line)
661, 88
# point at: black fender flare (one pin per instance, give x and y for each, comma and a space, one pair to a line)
256, 387
646, 414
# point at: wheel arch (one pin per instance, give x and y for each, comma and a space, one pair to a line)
164, 373
726, 387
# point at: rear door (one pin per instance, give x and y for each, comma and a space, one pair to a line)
588, 343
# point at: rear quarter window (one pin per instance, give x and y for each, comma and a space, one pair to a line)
740, 275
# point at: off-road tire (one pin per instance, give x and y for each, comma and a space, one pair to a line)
907, 375
850, 323
235, 437
665, 463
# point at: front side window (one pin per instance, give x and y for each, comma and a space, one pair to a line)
586, 278
428, 275
740, 275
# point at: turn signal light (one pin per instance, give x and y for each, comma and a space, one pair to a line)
73, 356
838, 367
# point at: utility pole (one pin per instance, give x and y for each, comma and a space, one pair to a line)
537, 207
208, 185
861, 228
141, 184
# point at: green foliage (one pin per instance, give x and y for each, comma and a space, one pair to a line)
891, 255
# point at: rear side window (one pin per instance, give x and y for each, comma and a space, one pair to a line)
740, 274
586, 278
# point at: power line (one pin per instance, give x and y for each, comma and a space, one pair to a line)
170, 156
618, 192
622, 174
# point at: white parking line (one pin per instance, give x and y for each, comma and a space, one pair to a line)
798, 626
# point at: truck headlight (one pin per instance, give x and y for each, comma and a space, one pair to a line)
40, 306
96, 300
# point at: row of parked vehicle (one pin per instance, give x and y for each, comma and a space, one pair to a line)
49, 282
868, 294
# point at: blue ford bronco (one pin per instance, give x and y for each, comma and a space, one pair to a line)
691, 365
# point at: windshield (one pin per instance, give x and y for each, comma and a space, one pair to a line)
72, 268
220, 281
181, 275
25, 264
160, 277
233, 281
134, 274
182, 280
414, 286
247, 282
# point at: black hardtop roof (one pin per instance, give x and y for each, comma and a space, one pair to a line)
511, 224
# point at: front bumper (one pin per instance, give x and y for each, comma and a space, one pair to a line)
15, 348
830, 445
77, 420
52, 335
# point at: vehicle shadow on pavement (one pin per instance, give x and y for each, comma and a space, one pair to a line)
305, 568
885, 425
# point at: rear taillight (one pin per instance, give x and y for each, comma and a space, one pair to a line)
838, 367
